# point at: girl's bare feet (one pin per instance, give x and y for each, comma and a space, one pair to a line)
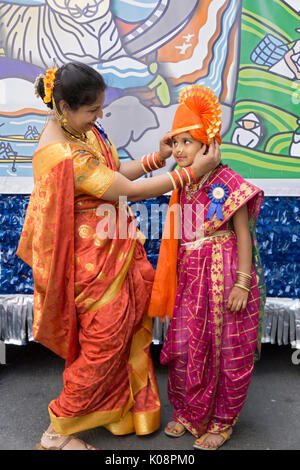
174, 429
209, 441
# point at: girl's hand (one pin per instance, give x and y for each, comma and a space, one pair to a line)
237, 299
165, 147
203, 163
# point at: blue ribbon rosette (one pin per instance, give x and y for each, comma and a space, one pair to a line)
218, 194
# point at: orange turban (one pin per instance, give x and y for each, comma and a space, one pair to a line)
199, 113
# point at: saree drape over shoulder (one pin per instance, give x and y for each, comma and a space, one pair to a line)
208, 349
91, 291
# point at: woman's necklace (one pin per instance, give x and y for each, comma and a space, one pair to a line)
89, 141
78, 138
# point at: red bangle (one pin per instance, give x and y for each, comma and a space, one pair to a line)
182, 177
152, 162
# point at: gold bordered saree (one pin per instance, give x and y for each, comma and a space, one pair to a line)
208, 349
91, 293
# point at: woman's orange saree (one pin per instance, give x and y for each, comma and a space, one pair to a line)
91, 292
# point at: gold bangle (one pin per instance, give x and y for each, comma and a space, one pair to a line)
243, 282
244, 274
242, 287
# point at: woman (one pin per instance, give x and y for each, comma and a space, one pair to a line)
91, 286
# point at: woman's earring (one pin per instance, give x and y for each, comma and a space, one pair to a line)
64, 119
61, 118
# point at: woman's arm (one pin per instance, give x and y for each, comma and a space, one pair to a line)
146, 188
238, 296
133, 169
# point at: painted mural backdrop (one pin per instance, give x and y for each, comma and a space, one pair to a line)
264, 138
247, 51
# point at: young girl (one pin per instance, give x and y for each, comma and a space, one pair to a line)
209, 283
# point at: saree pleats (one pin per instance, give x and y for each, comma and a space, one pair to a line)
112, 382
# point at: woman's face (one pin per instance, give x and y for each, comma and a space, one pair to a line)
83, 119
185, 148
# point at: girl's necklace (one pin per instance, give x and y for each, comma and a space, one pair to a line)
191, 189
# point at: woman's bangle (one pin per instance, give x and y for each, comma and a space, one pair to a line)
182, 177
152, 162
242, 287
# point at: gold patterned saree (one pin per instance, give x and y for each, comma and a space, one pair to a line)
91, 292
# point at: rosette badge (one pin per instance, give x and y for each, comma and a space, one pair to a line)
218, 194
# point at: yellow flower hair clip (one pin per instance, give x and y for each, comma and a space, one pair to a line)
48, 80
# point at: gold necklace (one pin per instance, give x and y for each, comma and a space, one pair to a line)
191, 189
81, 137
90, 142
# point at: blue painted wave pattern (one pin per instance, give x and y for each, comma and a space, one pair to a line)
18, 141
133, 11
125, 73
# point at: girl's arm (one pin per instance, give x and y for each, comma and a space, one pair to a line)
238, 296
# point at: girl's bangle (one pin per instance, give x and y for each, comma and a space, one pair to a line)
242, 287
244, 283
244, 274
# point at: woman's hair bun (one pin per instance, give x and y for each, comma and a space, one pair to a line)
39, 89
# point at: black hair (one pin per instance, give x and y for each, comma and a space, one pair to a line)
76, 83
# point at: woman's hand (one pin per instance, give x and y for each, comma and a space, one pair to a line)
204, 163
165, 147
237, 299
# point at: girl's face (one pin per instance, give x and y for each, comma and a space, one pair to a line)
185, 148
83, 119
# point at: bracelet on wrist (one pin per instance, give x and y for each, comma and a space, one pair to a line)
244, 274
182, 177
151, 162
244, 282
242, 287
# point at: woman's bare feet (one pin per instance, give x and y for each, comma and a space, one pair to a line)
53, 441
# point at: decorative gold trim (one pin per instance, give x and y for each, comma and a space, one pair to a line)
67, 426
49, 156
116, 285
184, 129
122, 421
